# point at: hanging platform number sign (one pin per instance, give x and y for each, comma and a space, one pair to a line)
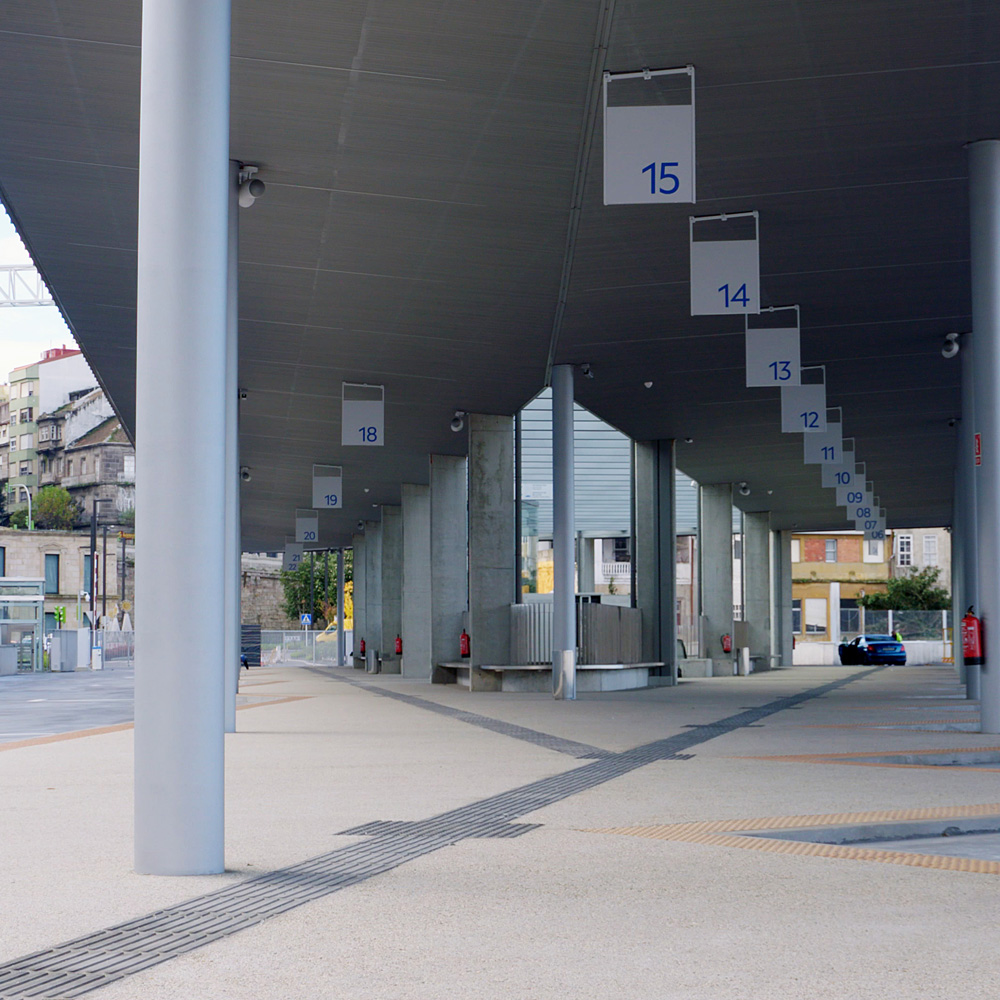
773, 356
835, 476
863, 511
363, 414
306, 525
292, 558
824, 449
803, 407
725, 266
876, 533
648, 138
853, 494
327, 487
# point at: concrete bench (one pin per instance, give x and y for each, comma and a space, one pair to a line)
538, 676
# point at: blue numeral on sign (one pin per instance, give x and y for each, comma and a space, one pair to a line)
368, 434
843, 479
331, 499
782, 369
810, 418
665, 175
739, 296
830, 453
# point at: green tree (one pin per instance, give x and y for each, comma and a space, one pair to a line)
919, 590
18, 519
296, 586
54, 508
4, 516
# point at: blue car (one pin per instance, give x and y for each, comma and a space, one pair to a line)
868, 650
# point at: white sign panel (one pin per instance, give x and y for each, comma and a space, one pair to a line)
824, 449
536, 491
863, 514
292, 558
842, 475
306, 525
648, 154
850, 495
363, 415
773, 357
725, 278
328, 482
803, 408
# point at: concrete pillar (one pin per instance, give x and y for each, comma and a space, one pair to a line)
563, 536
417, 584
234, 579
392, 586
181, 424
655, 553
492, 535
449, 560
833, 611
781, 602
373, 587
757, 586
966, 573
585, 565
984, 214
715, 546
360, 597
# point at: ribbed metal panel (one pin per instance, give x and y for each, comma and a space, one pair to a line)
531, 633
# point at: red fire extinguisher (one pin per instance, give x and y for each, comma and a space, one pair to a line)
727, 643
362, 646
463, 644
399, 645
972, 640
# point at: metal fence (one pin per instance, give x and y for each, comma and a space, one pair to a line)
303, 646
913, 625
117, 647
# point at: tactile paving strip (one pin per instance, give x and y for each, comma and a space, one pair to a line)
582, 751
726, 833
94, 960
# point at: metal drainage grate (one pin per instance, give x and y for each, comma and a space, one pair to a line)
94, 960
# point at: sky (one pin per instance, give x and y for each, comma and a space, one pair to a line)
25, 331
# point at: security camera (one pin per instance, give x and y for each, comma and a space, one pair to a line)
245, 473
952, 421
586, 371
744, 490
458, 421
250, 190
361, 525
951, 345
243, 394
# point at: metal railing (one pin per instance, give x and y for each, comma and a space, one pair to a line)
288, 647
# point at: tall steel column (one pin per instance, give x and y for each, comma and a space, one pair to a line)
181, 318
232, 461
341, 637
563, 536
966, 514
984, 214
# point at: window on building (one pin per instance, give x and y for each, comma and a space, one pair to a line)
59, 466
129, 466
621, 552
51, 573
27, 389
831, 550
41, 465
796, 550
27, 442
26, 468
874, 549
904, 550
930, 550
797, 617
815, 614
87, 572
27, 415
3, 561
737, 547
83, 466
69, 467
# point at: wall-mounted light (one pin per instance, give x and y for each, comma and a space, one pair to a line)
744, 490
458, 421
951, 346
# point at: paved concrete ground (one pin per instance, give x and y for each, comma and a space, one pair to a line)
637, 882
45, 703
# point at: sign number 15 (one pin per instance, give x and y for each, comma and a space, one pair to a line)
665, 175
